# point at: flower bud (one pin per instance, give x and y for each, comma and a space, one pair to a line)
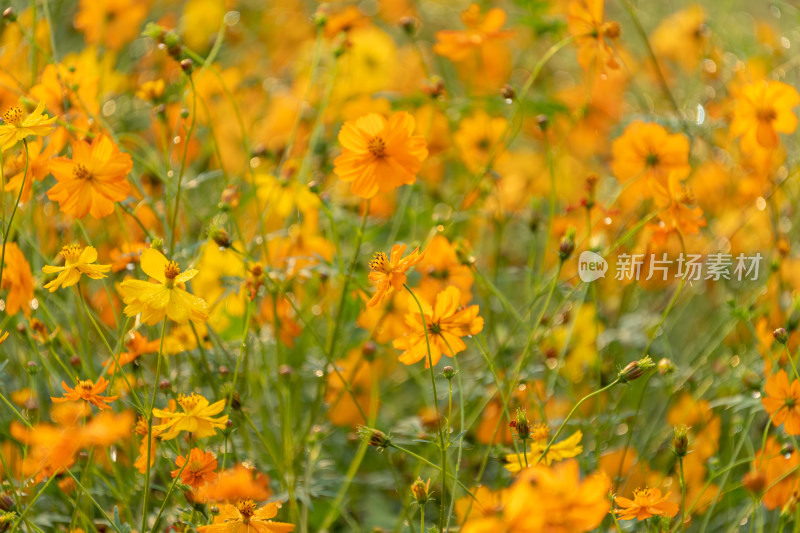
421, 490
543, 121
781, 335
157, 243
220, 236
666, 366
448, 372
521, 425
409, 25
508, 92
680, 440
187, 65
9, 14
374, 437
6, 502
635, 369
567, 245
754, 481
32, 368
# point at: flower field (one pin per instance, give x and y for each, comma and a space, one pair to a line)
524, 266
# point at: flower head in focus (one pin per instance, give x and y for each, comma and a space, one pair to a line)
89, 391
246, 517
16, 126
77, 261
646, 503
196, 418
389, 273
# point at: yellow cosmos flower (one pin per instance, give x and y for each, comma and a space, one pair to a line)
565, 449
166, 297
244, 517
15, 127
196, 418
77, 261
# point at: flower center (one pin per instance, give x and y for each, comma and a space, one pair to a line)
195, 467
380, 263
766, 114
611, 29
651, 160
435, 328
86, 385
377, 147
13, 116
540, 432
642, 495
71, 253
247, 509
171, 271
189, 402
80, 172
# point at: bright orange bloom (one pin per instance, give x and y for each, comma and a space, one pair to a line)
16, 128
647, 151
196, 418
774, 464
645, 504
166, 297
238, 483
77, 261
782, 402
244, 517
17, 278
88, 391
389, 273
137, 345
441, 267
92, 180
199, 470
764, 109
585, 23
112, 23
445, 323
480, 30
379, 155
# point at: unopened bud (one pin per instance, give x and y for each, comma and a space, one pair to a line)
9, 14
508, 92
409, 25
635, 369
781, 335
680, 441
374, 437
567, 245
187, 65
32, 368
421, 490
448, 372
521, 424
666, 366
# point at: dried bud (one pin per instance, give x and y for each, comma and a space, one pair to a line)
374, 437
781, 335
421, 490
666, 366
680, 440
635, 369
448, 372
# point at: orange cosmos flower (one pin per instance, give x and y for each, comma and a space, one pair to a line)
240, 482
645, 504
378, 155
389, 273
457, 45
137, 345
585, 23
16, 128
77, 261
89, 391
782, 402
17, 278
110, 22
244, 517
92, 180
764, 109
196, 418
200, 469
446, 323
647, 151
166, 297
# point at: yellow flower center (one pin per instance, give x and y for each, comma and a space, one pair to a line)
85, 385
195, 467
71, 253
13, 116
380, 263
247, 509
171, 271
540, 432
642, 495
80, 172
766, 114
189, 402
377, 146
612, 29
